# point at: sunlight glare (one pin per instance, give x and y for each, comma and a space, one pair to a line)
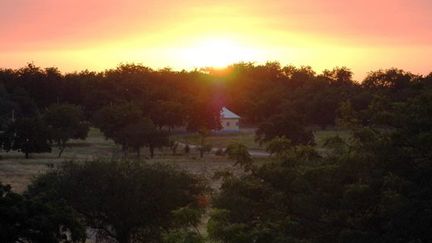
217, 53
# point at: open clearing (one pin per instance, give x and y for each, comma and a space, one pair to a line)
222, 140
18, 171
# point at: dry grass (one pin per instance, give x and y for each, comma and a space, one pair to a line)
18, 171
222, 140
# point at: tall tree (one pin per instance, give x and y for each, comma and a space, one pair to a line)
112, 119
27, 135
144, 133
65, 122
168, 114
289, 124
203, 117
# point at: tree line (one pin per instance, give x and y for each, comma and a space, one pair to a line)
132, 105
277, 99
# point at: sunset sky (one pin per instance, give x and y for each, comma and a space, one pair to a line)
363, 35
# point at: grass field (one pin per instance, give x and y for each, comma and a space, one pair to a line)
18, 171
222, 140
247, 137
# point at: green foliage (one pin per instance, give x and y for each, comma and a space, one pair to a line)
193, 99
27, 135
288, 124
240, 154
279, 146
347, 116
339, 76
375, 187
125, 201
219, 228
65, 122
26, 219
395, 79
203, 116
187, 217
187, 220
169, 114
336, 145
182, 236
380, 111
7, 107
113, 118
144, 133
125, 124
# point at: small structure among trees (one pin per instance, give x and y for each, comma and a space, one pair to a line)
229, 120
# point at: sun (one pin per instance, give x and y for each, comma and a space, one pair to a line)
216, 52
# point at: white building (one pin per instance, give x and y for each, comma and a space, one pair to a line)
229, 120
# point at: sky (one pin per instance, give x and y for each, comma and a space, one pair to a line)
74, 35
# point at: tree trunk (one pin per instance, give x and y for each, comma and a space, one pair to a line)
62, 148
202, 147
26, 155
151, 151
125, 150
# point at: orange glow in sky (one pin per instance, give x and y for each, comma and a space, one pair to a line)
364, 35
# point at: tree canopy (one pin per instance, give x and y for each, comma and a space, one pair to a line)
27, 135
25, 219
65, 122
125, 201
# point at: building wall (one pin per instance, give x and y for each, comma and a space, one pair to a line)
231, 124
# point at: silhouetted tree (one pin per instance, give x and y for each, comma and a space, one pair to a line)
203, 117
144, 133
112, 120
125, 201
26, 219
168, 114
289, 124
65, 122
27, 135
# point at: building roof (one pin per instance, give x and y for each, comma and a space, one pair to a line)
225, 113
